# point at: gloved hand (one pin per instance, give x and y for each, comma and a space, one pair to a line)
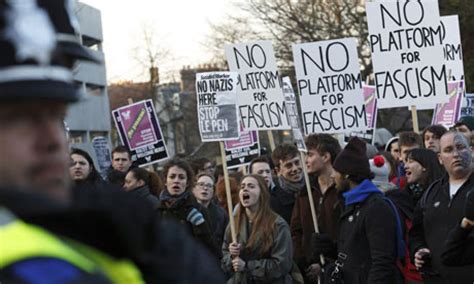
469, 206
195, 217
321, 244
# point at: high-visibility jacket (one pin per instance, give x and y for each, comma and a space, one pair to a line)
20, 241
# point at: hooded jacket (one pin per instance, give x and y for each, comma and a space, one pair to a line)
367, 236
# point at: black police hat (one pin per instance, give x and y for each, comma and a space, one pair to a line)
27, 46
61, 13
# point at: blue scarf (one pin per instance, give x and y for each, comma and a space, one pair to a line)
360, 192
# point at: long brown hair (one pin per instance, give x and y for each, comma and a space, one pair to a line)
263, 225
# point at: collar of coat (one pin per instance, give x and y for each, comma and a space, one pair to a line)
359, 193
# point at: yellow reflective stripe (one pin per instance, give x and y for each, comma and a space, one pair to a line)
118, 270
20, 241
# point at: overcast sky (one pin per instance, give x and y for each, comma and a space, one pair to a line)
180, 25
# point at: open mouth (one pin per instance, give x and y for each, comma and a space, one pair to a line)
245, 197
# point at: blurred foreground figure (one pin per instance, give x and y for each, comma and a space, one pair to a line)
50, 233
33, 156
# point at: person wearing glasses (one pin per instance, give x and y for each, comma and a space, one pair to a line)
203, 191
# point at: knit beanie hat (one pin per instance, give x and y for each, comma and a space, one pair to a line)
353, 159
392, 140
466, 120
380, 168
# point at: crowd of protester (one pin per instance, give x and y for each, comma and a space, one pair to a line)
403, 213
397, 216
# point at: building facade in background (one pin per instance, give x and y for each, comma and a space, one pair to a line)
86, 119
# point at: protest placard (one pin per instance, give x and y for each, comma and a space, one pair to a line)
102, 153
452, 50
452, 47
217, 106
448, 114
242, 151
406, 41
139, 131
260, 96
370, 100
467, 108
330, 86
292, 113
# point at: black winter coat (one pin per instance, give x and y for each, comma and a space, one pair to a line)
123, 227
367, 236
459, 249
218, 222
435, 215
282, 201
179, 212
144, 193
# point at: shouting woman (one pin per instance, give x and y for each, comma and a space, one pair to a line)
263, 251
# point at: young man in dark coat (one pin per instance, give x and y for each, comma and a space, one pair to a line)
440, 210
290, 183
367, 244
121, 164
322, 150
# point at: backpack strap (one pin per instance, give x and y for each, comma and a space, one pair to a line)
399, 231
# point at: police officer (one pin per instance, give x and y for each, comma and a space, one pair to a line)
34, 96
67, 236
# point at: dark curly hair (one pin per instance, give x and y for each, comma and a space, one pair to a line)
180, 163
